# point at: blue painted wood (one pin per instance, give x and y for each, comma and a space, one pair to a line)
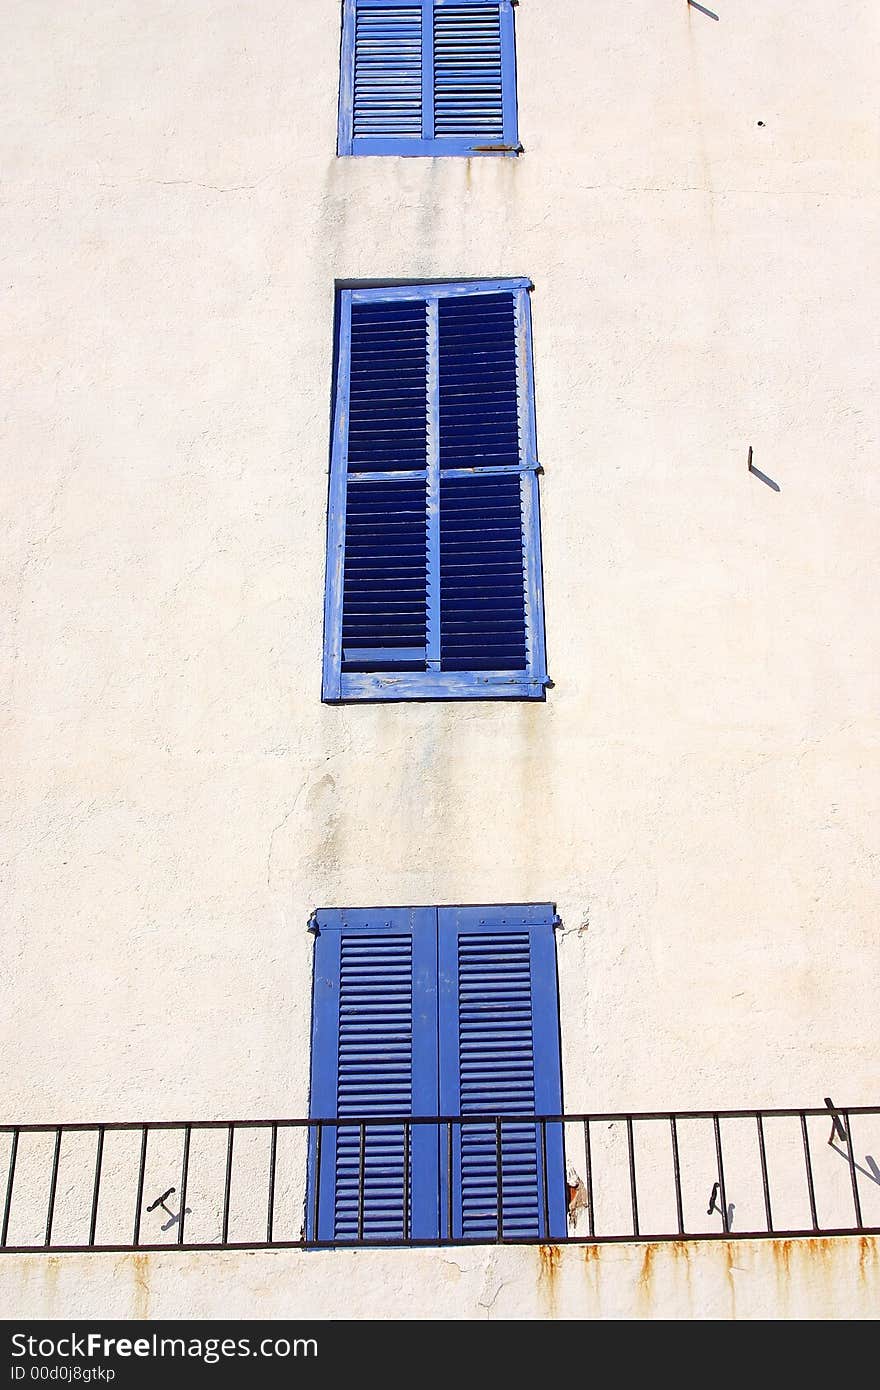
401, 475
458, 289
468, 73
433, 490
346, 80
444, 557
383, 655
428, 78
374, 1052
439, 685
335, 562
500, 1055
384, 599
509, 84
534, 574
427, 72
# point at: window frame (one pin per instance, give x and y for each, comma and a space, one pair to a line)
529, 684
348, 145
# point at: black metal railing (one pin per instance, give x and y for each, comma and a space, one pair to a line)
405, 1181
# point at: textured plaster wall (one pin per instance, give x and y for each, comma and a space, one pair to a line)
699, 792
820, 1279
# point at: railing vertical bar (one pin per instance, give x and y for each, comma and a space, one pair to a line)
676, 1169
362, 1157
406, 1182
499, 1181
184, 1175
632, 1174
53, 1187
809, 1170
139, 1201
10, 1179
852, 1170
544, 1191
270, 1215
588, 1170
99, 1155
227, 1189
318, 1139
718, 1155
765, 1180
449, 1220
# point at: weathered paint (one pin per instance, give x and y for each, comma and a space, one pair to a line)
701, 782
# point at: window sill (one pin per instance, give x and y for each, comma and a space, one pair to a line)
439, 685
431, 149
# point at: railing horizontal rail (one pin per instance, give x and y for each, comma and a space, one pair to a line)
439, 1242
572, 1117
400, 1180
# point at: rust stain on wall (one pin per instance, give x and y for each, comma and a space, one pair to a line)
550, 1257
869, 1257
140, 1268
816, 1247
782, 1255
729, 1267
50, 1277
644, 1290
646, 1273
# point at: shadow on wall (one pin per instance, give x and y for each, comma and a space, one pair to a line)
872, 1171
763, 476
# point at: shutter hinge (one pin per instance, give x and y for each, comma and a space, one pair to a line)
312, 924
498, 149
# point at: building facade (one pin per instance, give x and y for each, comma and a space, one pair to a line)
629, 280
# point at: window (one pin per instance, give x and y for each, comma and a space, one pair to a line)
429, 77
429, 1012
433, 542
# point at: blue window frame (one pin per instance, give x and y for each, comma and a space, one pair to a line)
428, 77
434, 585
435, 1012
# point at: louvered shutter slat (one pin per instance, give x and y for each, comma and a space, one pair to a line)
494, 994
468, 75
387, 72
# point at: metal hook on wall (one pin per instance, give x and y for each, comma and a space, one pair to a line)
837, 1129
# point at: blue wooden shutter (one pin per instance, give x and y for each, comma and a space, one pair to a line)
468, 72
387, 98
499, 1056
428, 77
374, 1053
482, 548
384, 603
434, 563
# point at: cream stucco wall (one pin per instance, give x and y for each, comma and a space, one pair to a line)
698, 794
820, 1279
